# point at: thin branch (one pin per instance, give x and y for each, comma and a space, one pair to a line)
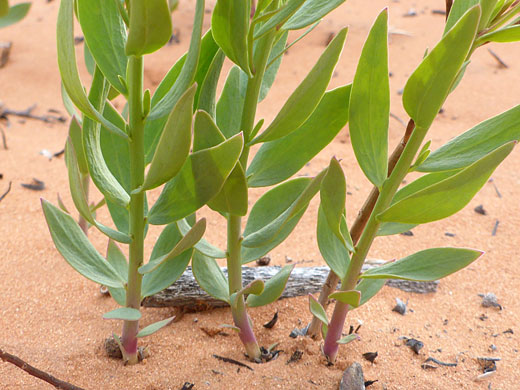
57, 383
356, 230
27, 113
4, 139
6, 192
449, 4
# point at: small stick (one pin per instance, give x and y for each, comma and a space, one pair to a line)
57, 383
6, 192
431, 359
449, 4
27, 113
232, 361
499, 60
496, 188
494, 232
4, 139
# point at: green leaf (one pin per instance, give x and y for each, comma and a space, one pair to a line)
507, 34
69, 71
427, 265
199, 180
15, 14
189, 69
251, 254
271, 230
205, 132
267, 209
232, 198
231, 102
347, 339
230, 26
370, 104
119, 295
165, 275
167, 240
487, 7
202, 246
334, 251
186, 242
74, 246
391, 228
475, 143
317, 310
458, 9
168, 272
274, 61
256, 287
208, 90
99, 172
352, 297
303, 101
105, 34
368, 288
123, 313
210, 277
430, 83
422, 183
273, 288
278, 160
448, 196
77, 141
156, 326
284, 13
153, 128
333, 195
117, 259
150, 26
4, 7
116, 153
310, 12
174, 145
79, 196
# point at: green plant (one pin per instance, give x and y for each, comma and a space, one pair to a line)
113, 149
255, 40
12, 15
453, 174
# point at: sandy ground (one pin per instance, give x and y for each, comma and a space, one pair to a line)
51, 316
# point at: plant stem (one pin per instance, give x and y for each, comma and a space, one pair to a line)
234, 262
359, 224
137, 221
388, 191
234, 230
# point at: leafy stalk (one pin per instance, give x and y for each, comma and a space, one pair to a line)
314, 329
331, 346
137, 221
234, 244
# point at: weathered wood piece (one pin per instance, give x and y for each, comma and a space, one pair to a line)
187, 294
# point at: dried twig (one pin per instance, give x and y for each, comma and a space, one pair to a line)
6, 192
449, 4
501, 63
232, 361
4, 139
57, 383
27, 113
